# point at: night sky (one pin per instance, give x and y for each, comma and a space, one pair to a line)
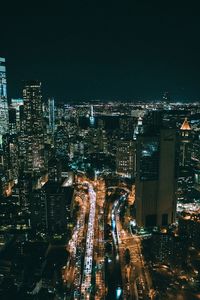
103, 49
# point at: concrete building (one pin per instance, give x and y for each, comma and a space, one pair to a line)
156, 178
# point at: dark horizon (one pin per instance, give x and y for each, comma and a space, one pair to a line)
96, 51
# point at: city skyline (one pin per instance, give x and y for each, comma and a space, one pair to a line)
96, 200
97, 51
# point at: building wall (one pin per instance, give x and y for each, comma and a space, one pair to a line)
166, 204
156, 179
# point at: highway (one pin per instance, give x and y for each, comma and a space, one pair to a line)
135, 276
84, 272
86, 247
118, 227
99, 250
72, 270
88, 259
115, 283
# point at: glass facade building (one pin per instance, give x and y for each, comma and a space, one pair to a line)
3, 100
32, 132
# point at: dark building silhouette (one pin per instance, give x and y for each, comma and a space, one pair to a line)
50, 208
156, 178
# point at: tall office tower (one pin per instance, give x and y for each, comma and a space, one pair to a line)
12, 121
96, 141
186, 180
125, 158
185, 144
195, 153
3, 100
32, 141
156, 179
92, 120
11, 161
25, 188
139, 128
54, 170
51, 115
126, 127
195, 157
91, 111
16, 104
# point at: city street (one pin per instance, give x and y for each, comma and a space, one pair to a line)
87, 255
87, 243
88, 259
137, 274
99, 241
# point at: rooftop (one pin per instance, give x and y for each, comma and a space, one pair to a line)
186, 125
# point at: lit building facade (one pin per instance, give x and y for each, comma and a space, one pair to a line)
11, 161
51, 115
186, 171
32, 129
3, 100
189, 228
125, 158
185, 144
15, 105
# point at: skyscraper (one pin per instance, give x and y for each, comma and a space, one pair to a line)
187, 179
92, 115
51, 115
156, 179
125, 158
185, 144
32, 141
16, 104
3, 100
